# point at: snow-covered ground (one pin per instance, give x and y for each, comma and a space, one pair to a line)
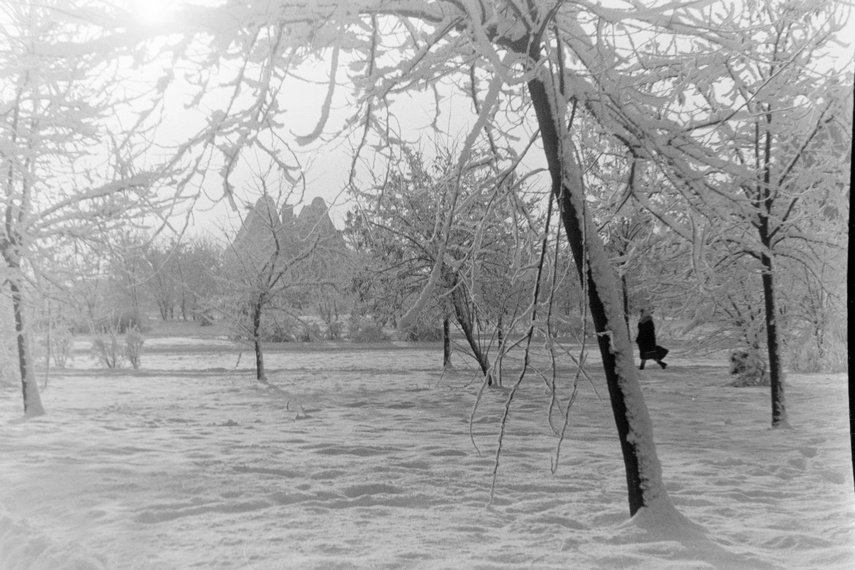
361, 457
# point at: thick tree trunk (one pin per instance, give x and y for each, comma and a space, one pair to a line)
776, 373
29, 386
635, 431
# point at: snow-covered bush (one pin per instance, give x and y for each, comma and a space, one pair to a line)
809, 356
60, 347
334, 330
133, 347
108, 349
310, 332
365, 329
749, 368
424, 331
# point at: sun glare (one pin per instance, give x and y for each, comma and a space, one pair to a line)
153, 12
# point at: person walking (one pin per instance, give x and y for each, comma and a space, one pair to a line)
646, 341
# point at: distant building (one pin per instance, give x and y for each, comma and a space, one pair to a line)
271, 240
264, 230
257, 235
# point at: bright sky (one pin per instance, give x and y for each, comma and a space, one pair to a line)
153, 13
326, 166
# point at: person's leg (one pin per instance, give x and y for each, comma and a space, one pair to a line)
661, 353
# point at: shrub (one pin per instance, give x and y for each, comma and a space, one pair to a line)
749, 368
364, 329
280, 330
334, 331
204, 318
806, 356
108, 349
310, 332
118, 322
134, 347
60, 349
422, 331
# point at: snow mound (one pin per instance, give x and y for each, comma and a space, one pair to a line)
660, 527
22, 548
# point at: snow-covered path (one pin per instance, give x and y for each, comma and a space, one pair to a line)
361, 458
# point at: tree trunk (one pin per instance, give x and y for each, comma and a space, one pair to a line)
256, 339
29, 387
446, 344
48, 347
464, 319
635, 430
625, 291
776, 373
764, 206
500, 345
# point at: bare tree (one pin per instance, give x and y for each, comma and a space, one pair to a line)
71, 168
757, 169
262, 266
484, 276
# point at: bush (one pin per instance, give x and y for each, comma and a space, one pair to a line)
425, 332
118, 322
334, 330
204, 318
109, 351
134, 347
280, 330
364, 329
805, 357
60, 349
749, 368
310, 332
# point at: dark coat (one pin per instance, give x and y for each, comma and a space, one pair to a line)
646, 340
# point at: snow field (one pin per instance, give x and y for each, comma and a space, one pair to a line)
360, 457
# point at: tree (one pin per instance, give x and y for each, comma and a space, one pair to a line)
758, 167
72, 168
266, 265
200, 263
163, 261
780, 91
182, 273
255, 268
485, 258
